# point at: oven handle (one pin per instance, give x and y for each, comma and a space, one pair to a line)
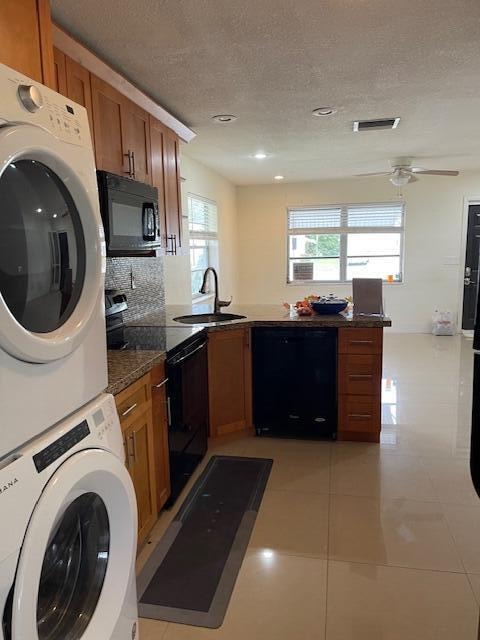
174, 363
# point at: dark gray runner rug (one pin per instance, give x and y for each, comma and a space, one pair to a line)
190, 575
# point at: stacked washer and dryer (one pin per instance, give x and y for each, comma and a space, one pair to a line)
67, 504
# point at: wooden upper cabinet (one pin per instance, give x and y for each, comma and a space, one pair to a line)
173, 201
157, 149
79, 87
229, 381
108, 131
60, 71
136, 126
26, 39
73, 81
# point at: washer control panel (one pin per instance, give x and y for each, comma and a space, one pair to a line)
24, 100
105, 419
59, 447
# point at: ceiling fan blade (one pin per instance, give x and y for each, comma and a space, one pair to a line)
433, 172
380, 173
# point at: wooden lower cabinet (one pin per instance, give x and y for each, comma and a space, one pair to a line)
160, 435
138, 439
359, 384
229, 381
134, 406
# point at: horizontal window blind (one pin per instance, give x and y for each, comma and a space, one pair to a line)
202, 218
373, 216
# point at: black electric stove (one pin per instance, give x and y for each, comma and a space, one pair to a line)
166, 339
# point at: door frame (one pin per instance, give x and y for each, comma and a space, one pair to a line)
467, 202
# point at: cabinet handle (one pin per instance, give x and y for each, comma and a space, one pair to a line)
359, 415
174, 244
169, 412
133, 163
134, 447
129, 172
160, 384
125, 447
360, 376
171, 251
361, 341
127, 411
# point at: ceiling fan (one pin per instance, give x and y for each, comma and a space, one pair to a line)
403, 172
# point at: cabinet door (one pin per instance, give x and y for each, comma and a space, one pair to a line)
229, 381
79, 88
160, 435
173, 206
140, 463
136, 127
107, 128
157, 148
26, 39
60, 68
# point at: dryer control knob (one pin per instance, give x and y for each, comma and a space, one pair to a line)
30, 97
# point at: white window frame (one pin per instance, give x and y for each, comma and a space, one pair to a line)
209, 236
343, 230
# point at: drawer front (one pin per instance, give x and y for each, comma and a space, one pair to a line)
360, 374
359, 414
133, 401
360, 340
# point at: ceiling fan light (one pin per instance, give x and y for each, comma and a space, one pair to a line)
400, 179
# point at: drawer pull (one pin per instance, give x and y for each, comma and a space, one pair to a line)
360, 376
360, 415
361, 341
160, 384
127, 411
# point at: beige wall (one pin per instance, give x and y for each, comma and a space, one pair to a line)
207, 183
433, 241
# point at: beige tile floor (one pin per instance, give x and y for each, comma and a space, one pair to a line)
361, 541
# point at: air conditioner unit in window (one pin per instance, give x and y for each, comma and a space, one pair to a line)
303, 270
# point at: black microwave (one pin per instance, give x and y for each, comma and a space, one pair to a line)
130, 215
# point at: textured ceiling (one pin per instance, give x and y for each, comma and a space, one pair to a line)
270, 62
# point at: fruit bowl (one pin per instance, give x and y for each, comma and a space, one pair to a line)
329, 306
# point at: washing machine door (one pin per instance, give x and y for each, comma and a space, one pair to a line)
78, 556
52, 249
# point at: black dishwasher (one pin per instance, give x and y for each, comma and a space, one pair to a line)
295, 382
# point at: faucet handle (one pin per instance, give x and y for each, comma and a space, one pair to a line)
224, 303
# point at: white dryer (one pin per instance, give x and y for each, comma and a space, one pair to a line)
69, 533
52, 261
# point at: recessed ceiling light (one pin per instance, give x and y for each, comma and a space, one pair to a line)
260, 155
224, 117
278, 177
324, 111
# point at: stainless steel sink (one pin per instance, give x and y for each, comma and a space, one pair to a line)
208, 318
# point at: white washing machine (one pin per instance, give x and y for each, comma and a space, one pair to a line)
69, 533
52, 261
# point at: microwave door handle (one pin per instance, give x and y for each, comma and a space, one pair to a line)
147, 215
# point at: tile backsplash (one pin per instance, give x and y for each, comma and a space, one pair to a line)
148, 275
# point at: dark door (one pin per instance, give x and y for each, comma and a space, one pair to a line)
470, 286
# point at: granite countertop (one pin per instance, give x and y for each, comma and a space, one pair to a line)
261, 315
126, 366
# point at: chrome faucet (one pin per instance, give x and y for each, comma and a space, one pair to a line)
217, 303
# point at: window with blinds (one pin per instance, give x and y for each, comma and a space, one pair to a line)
203, 228
339, 242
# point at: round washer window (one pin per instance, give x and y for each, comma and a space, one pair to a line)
73, 570
42, 247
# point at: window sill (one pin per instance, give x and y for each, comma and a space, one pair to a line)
203, 299
307, 283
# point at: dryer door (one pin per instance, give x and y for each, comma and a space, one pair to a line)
78, 558
51, 244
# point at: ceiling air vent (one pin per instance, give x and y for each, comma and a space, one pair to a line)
375, 125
